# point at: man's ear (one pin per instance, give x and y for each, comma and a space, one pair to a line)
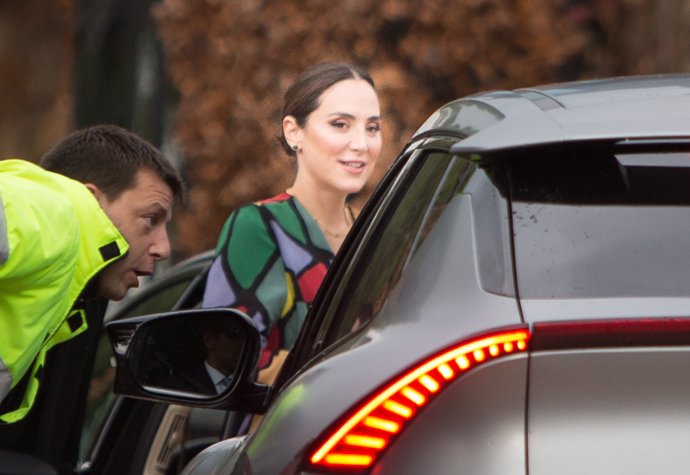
100, 196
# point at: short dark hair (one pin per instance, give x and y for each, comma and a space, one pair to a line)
110, 157
302, 97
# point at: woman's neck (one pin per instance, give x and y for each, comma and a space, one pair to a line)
327, 209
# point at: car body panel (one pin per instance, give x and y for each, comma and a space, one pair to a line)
573, 95
226, 453
570, 309
609, 411
477, 426
650, 107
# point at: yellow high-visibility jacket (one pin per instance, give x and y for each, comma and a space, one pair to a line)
54, 239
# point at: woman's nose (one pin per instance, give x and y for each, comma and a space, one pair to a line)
358, 142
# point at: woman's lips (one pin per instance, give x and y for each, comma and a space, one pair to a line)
353, 166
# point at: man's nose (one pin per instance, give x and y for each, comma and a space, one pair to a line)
160, 248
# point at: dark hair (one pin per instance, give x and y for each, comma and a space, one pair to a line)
110, 157
302, 97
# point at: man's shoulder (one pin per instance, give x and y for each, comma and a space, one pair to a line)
29, 177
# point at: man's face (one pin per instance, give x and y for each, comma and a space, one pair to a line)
223, 348
141, 213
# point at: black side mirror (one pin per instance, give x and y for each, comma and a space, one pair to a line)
202, 357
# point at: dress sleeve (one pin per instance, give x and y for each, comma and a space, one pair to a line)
248, 272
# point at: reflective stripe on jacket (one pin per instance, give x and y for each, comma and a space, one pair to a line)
54, 238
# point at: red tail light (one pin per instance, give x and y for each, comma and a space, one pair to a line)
354, 445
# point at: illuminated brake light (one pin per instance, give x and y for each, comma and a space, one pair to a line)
413, 395
446, 371
349, 460
463, 362
382, 424
399, 409
479, 355
365, 441
356, 443
430, 383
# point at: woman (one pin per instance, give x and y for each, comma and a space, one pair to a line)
273, 255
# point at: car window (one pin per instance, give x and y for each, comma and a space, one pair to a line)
100, 398
590, 224
412, 209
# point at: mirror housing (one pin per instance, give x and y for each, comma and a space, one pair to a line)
176, 357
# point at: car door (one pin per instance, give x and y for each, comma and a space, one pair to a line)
120, 435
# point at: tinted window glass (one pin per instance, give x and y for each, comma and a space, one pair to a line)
413, 208
590, 224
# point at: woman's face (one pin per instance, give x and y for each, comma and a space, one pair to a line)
341, 139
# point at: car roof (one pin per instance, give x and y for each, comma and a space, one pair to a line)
640, 107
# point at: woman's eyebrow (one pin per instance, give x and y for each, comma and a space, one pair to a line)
347, 115
342, 114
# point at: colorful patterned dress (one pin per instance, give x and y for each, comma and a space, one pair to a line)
271, 258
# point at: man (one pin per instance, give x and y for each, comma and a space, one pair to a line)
223, 345
203, 361
87, 224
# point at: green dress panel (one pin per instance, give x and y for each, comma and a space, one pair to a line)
271, 258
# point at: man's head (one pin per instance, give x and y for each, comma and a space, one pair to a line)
136, 187
223, 340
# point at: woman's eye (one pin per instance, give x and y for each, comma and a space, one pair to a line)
339, 124
373, 128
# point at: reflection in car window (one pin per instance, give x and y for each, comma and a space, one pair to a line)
424, 193
100, 398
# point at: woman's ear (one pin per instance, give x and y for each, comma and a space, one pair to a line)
292, 131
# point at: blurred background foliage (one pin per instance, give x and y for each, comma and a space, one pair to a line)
203, 79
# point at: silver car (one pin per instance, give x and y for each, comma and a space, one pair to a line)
514, 299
